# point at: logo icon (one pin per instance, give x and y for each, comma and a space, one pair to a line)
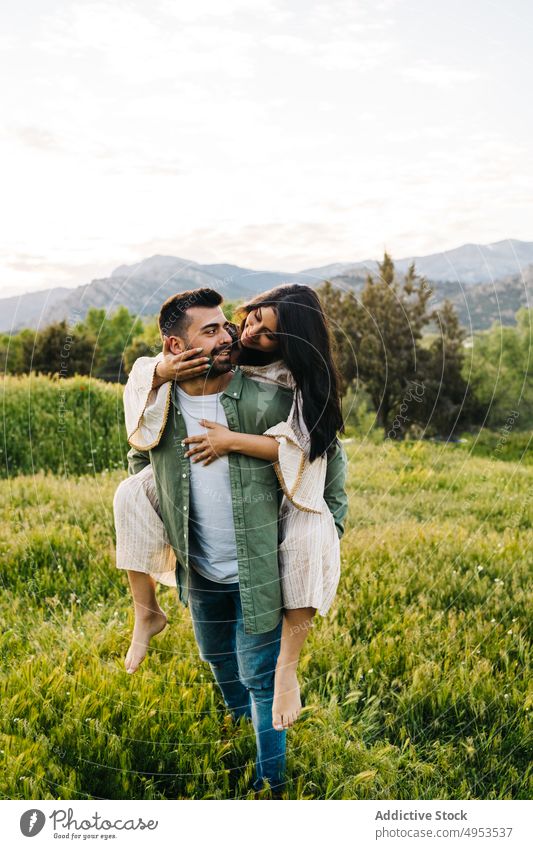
32, 822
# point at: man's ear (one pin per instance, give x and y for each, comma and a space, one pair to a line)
176, 344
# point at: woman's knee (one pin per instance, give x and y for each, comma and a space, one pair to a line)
122, 497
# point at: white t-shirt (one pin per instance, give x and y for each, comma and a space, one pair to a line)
212, 544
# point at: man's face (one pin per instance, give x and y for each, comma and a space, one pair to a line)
207, 329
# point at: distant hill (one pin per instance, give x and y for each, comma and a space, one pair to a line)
142, 288
477, 306
464, 274
27, 310
468, 264
481, 305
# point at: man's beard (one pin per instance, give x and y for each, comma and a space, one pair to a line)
218, 368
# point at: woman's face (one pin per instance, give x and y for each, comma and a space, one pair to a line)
259, 330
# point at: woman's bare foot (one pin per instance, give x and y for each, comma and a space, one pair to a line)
147, 625
287, 705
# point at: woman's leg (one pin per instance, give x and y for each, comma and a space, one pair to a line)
149, 618
142, 542
287, 704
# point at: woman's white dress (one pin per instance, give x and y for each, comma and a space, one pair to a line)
309, 552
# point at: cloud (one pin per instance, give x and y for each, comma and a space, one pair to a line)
255, 131
292, 45
272, 245
169, 41
443, 76
38, 138
340, 36
142, 46
54, 270
202, 10
24, 261
351, 55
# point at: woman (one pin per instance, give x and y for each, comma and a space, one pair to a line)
284, 333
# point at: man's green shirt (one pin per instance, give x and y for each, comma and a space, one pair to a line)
251, 407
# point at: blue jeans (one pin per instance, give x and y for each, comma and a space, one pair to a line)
243, 666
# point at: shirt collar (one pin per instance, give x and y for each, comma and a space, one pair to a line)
234, 387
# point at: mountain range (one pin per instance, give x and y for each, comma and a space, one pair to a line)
485, 282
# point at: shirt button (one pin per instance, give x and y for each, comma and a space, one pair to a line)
184, 475
179, 414
184, 506
235, 394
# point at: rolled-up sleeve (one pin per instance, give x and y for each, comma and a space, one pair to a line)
145, 409
335, 487
137, 460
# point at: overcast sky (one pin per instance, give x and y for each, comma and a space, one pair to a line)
280, 135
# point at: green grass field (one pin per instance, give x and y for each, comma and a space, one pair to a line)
416, 684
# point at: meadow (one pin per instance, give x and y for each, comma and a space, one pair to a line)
417, 685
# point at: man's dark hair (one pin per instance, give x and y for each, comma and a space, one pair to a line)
173, 320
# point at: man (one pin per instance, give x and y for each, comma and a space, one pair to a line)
222, 519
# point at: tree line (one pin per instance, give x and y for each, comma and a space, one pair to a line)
429, 383
437, 383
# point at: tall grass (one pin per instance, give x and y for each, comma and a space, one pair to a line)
416, 685
70, 426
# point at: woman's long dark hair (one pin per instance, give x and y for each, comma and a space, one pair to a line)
305, 347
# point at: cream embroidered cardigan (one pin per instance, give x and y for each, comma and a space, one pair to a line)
146, 413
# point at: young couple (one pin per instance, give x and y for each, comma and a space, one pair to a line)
236, 494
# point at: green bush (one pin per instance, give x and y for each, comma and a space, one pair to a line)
500, 445
70, 426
